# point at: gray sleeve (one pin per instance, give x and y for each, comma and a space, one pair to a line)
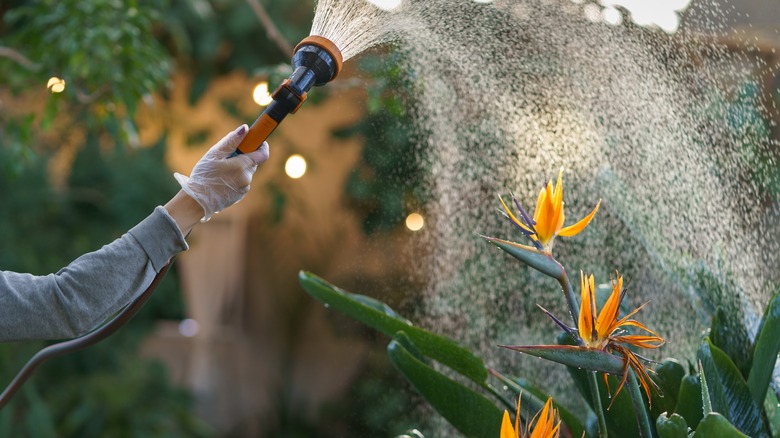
90, 289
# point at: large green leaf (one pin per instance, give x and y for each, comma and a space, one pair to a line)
715, 425
689, 405
729, 392
381, 317
765, 352
470, 412
673, 426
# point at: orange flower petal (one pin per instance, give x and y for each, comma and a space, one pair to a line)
608, 318
575, 229
507, 431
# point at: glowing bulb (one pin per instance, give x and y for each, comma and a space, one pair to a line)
56, 85
415, 222
261, 95
387, 5
295, 166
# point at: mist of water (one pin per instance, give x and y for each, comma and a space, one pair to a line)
668, 130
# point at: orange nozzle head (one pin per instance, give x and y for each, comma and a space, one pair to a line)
326, 45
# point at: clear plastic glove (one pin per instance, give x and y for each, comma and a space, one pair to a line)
219, 180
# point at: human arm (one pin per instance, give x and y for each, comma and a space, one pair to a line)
94, 286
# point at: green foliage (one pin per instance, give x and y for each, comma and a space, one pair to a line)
716, 401
103, 49
766, 351
381, 317
388, 181
470, 412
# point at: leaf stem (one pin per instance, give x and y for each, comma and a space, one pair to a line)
645, 431
596, 399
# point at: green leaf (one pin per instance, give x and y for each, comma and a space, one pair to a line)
728, 390
541, 261
689, 404
729, 333
381, 317
468, 411
668, 376
715, 425
772, 409
765, 352
579, 357
671, 427
620, 417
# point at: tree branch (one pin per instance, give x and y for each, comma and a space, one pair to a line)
270, 28
7, 52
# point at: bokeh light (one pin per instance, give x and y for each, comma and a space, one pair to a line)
387, 5
295, 167
56, 85
188, 328
415, 222
261, 95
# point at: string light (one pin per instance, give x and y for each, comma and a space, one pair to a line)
295, 167
415, 222
56, 85
261, 95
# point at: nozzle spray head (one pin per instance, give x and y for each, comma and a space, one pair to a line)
321, 56
316, 61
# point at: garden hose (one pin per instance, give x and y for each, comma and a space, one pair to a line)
316, 61
81, 342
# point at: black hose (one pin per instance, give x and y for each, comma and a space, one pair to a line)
81, 342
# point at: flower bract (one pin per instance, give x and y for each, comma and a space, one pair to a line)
548, 218
545, 424
605, 330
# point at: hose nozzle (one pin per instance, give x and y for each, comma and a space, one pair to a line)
316, 61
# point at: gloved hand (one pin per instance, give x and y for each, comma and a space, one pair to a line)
219, 180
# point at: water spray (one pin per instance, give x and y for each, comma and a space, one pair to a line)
316, 61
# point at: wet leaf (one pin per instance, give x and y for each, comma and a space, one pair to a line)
715, 425
381, 317
689, 404
468, 411
673, 426
668, 376
765, 352
728, 390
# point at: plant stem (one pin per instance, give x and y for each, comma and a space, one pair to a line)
645, 431
594, 391
571, 301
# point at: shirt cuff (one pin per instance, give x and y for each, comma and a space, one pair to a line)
160, 237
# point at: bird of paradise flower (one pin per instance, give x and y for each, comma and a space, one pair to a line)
545, 424
606, 331
547, 222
